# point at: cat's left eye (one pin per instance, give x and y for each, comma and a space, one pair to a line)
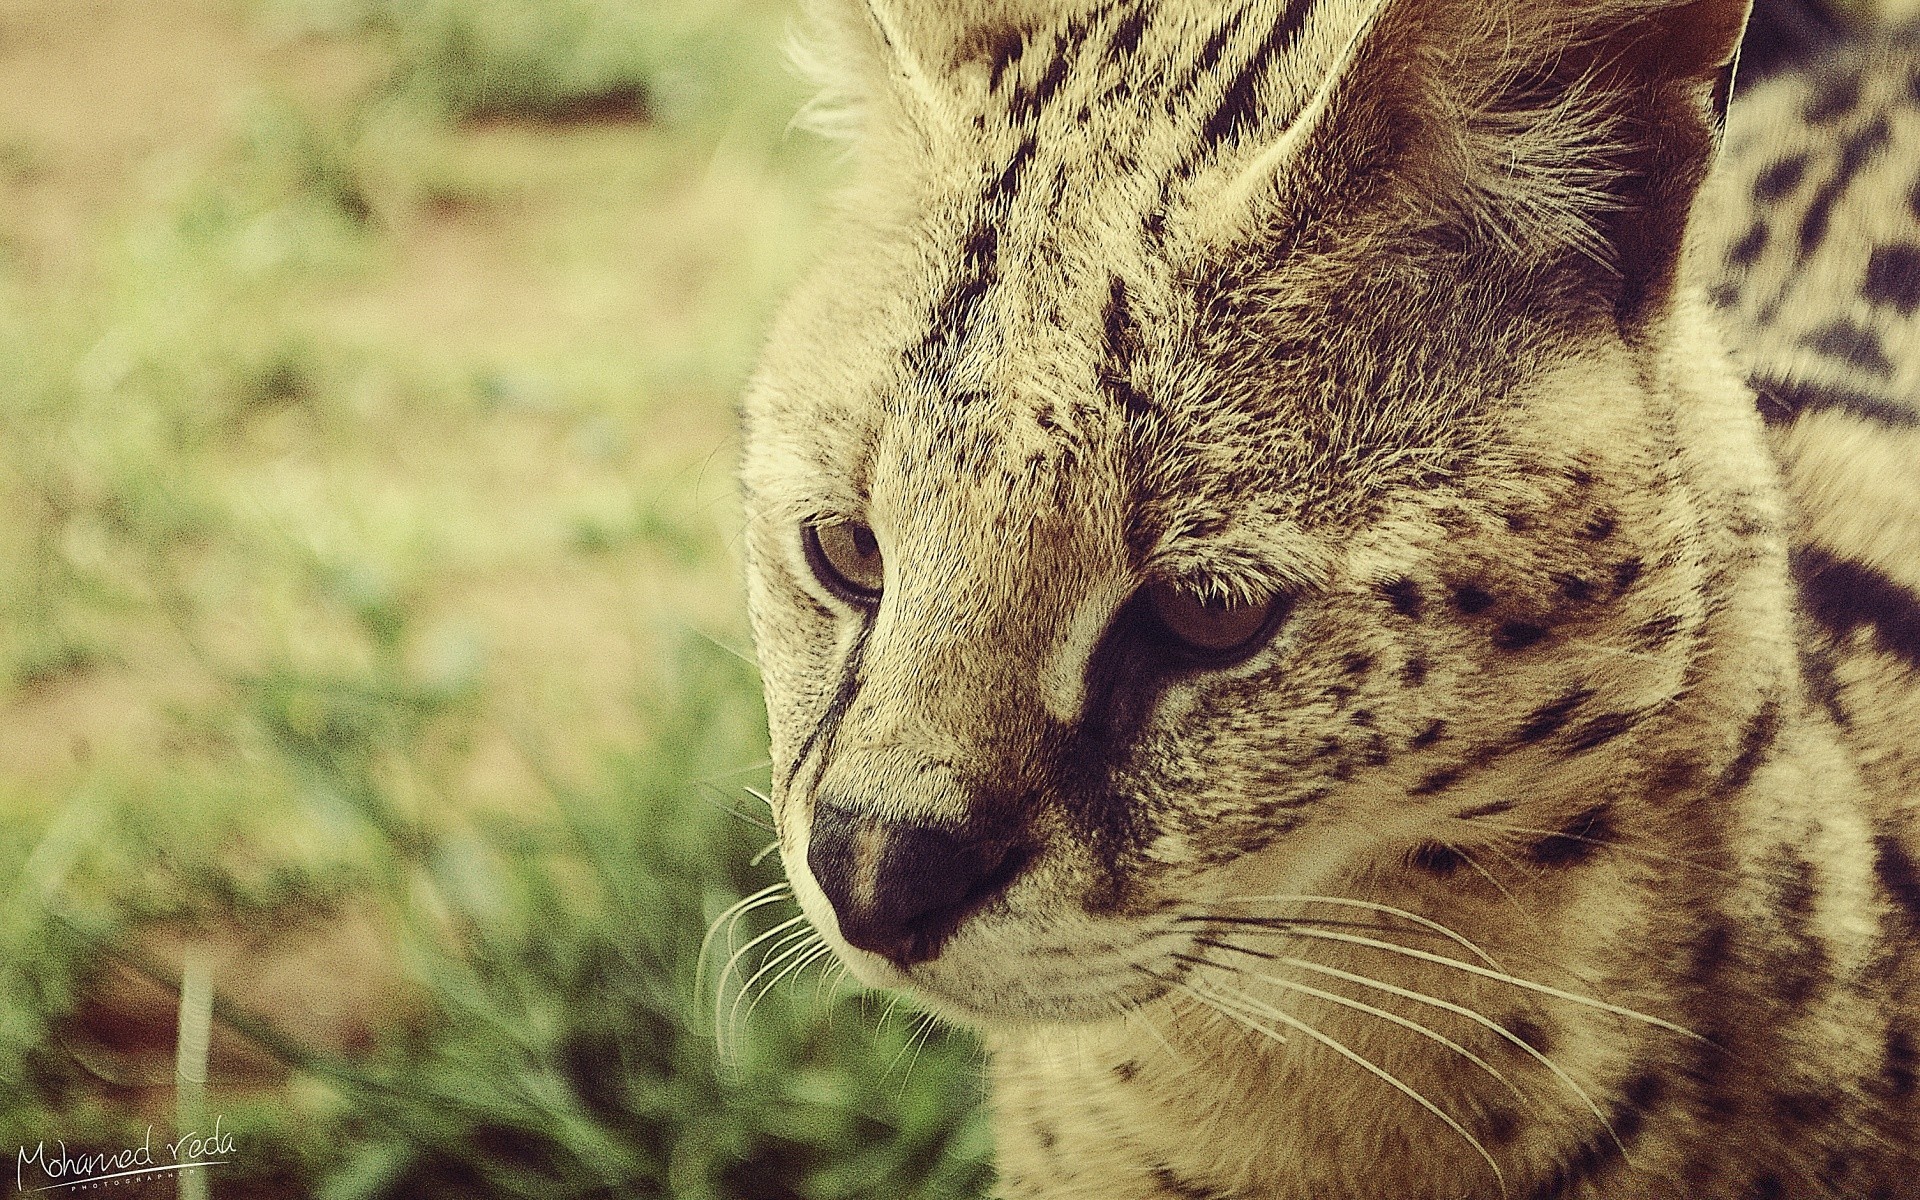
845, 555
1212, 627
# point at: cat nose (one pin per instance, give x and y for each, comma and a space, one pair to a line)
901, 890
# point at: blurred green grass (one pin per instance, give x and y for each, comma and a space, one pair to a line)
370, 561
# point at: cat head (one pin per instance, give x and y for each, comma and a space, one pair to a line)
1226, 443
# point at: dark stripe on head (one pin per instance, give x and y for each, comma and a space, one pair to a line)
1844, 595
1238, 103
1600, 730
1778, 179
1782, 402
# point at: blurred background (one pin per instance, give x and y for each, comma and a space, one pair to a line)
371, 648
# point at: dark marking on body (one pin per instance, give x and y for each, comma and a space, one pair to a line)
1747, 251
1844, 595
1776, 180
1414, 673
1756, 743
1853, 344
1125, 1070
1550, 717
1627, 573
1436, 859
1855, 153
1405, 597
1783, 401
1428, 736
1518, 635
1578, 840
1900, 1063
1600, 730
1437, 781
1895, 869
1171, 1183
1471, 599
1893, 277
1837, 96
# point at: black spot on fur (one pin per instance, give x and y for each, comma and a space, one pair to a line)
1895, 869
1601, 730
1500, 1126
1518, 635
1854, 344
1044, 1133
1756, 743
1428, 736
1358, 664
1818, 671
1775, 181
1404, 595
1747, 251
1171, 1184
1470, 599
1125, 1070
1844, 595
1438, 781
1803, 1108
1855, 153
1573, 588
1548, 718
1655, 632
1600, 528
1838, 95
1768, 1186
1531, 1032
1897, 1069
1782, 402
1127, 36
1415, 672
1626, 574
1893, 277
1436, 859
1578, 839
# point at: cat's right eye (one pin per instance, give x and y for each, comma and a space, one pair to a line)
1212, 629
845, 556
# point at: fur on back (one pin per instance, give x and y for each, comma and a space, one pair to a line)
1554, 838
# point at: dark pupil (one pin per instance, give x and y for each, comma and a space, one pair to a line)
864, 543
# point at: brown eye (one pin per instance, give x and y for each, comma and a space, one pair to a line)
846, 557
1210, 627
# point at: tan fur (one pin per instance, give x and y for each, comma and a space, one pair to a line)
1552, 846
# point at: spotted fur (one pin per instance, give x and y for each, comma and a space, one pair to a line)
1556, 841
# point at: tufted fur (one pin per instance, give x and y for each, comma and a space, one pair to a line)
1558, 843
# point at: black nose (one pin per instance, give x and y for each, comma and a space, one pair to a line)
901, 890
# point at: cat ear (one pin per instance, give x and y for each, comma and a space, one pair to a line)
901, 59
1570, 136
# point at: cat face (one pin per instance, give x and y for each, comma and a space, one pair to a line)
1211, 466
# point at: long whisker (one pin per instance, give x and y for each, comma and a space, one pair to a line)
1461, 1010
812, 954
1258, 1008
1428, 923
1498, 976
733, 960
730, 919
1392, 1018
797, 942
